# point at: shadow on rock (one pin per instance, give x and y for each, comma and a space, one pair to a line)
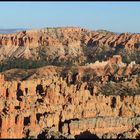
86, 135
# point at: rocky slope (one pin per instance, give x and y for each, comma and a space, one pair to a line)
56, 102
69, 83
72, 45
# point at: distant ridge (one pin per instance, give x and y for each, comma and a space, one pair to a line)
9, 31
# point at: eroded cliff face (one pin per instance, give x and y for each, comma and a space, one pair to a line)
29, 107
92, 99
60, 43
71, 104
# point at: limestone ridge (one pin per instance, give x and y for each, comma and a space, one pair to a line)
69, 83
61, 43
59, 103
35, 105
97, 100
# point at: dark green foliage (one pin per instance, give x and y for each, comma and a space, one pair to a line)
128, 56
100, 53
91, 53
103, 52
21, 63
112, 88
86, 77
138, 81
116, 68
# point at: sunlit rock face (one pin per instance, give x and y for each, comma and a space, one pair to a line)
66, 102
77, 99
63, 43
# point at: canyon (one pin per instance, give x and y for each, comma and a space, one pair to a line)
62, 44
69, 83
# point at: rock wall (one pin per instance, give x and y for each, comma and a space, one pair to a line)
55, 36
28, 107
62, 41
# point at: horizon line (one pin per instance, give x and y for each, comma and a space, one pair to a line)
40, 28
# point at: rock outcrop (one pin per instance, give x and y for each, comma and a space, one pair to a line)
70, 103
94, 93
36, 105
60, 43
